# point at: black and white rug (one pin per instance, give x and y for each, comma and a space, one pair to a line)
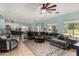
44, 49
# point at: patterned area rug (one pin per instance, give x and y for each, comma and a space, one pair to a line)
44, 49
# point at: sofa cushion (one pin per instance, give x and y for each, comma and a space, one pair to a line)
58, 40
60, 37
55, 34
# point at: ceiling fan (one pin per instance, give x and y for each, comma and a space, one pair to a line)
48, 7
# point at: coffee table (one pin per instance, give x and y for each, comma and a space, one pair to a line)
39, 39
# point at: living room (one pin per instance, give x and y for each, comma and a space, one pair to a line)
39, 29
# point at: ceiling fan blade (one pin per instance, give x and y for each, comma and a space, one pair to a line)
48, 11
52, 9
47, 4
43, 5
52, 6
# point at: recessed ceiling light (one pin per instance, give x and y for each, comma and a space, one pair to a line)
57, 12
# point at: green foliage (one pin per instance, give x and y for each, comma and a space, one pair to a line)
76, 26
71, 26
68, 26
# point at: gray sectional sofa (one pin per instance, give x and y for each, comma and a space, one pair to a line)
60, 41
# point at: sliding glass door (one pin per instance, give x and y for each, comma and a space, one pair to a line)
72, 30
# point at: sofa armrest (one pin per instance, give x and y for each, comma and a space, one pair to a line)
13, 43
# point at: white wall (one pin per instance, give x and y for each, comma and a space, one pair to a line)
2, 24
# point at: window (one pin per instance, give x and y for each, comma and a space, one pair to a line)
24, 28
52, 28
39, 28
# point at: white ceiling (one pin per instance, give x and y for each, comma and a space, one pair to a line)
29, 12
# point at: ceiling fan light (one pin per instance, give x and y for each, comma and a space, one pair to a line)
43, 11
